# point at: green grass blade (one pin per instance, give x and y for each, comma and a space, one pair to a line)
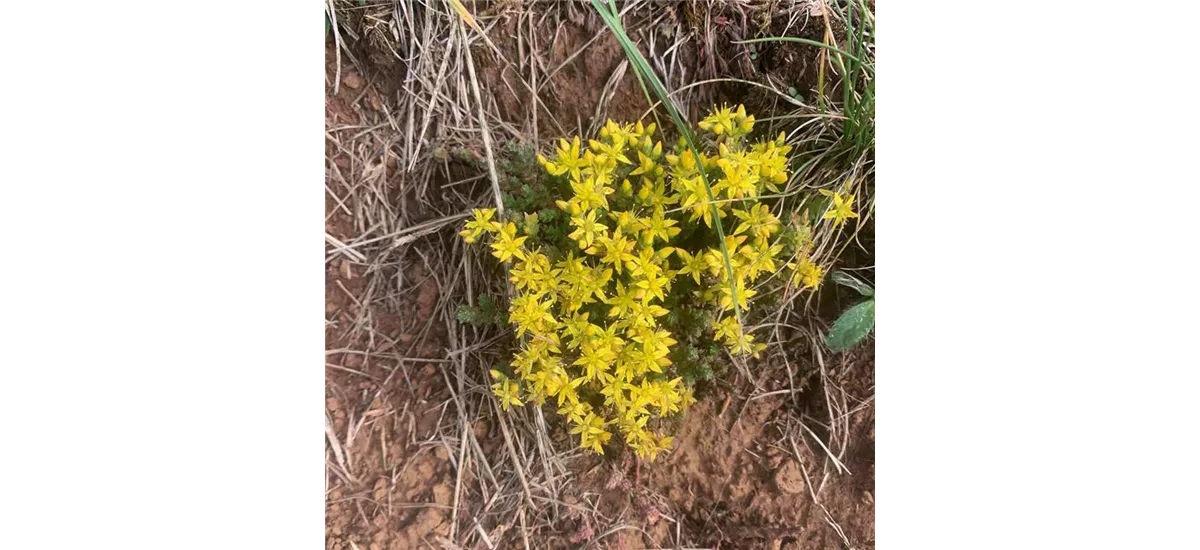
848, 75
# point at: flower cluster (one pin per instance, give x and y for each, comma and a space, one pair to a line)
588, 313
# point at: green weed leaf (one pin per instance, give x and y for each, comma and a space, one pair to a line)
854, 325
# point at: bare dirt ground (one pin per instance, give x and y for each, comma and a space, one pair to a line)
734, 475
418, 456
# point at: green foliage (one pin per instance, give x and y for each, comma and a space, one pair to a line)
465, 156
812, 208
529, 193
517, 160
697, 363
696, 355
487, 312
854, 325
522, 187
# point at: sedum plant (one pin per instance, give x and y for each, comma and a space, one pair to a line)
592, 306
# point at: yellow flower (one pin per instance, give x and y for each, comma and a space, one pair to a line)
643, 131
644, 264
598, 165
654, 285
633, 425
592, 433
643, 314
646, 165
575, 411
729, 329
772, 161
745, 345
807, 273
627, 222
758, 221
726, 122
686, 399
566, 392
725, 296
841, 210
657, 342
659, 227
614, 391
595, 361
568, 159
597, 281
663, 445
745, 124
622, 302
694, 198
692, 265
571, 207
579, 329
534, 274
505, 389
608, 338
616, 348
719, 122
530, 314
482, 222
508, 245
614, 151
616, 250
740, 179
587, 230
760, 257
591, 192
625, 371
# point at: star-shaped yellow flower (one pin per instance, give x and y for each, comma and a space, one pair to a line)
842, 208
587, 229
508, 244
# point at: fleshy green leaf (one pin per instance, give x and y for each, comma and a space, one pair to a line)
854, 325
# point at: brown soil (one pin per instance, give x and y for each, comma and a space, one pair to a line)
733, 478
399, 494
573, 93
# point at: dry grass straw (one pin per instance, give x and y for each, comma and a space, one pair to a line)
440, 104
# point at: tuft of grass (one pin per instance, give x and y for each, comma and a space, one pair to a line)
855, 61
